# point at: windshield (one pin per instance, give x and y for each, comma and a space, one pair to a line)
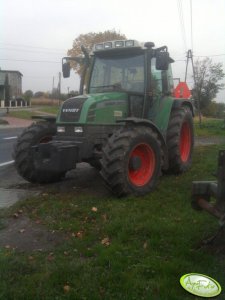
118, 74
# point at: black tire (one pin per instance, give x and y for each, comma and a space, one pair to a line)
131, 161
180, 140
41, 132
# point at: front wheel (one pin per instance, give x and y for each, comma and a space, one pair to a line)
180, 139
131, 161
41, 132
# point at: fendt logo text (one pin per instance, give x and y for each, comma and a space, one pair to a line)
70, 110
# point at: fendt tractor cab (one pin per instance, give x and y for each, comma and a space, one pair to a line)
128, 123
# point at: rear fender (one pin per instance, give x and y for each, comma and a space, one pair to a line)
161, 111
177, 103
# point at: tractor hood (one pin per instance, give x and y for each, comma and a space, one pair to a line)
102, 108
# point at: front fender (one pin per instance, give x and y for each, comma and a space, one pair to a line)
51, 119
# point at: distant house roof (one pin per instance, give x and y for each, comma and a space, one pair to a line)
10, 71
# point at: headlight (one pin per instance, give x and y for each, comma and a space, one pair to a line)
61, 129
78, 129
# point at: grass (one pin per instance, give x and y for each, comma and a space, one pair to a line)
27, 114
209, 127
131, 248
53, 109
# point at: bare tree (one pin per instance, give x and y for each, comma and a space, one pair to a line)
208, 76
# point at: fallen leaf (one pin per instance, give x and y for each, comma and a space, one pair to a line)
66, 288
22, 230
16, 215
94, 209
66, 253
85, 220
145, 246
50, 257
104, 217
105, 241
78, 234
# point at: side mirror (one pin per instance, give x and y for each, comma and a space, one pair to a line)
162, 60
66, 69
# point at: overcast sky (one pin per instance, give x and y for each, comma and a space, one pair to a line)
36, 34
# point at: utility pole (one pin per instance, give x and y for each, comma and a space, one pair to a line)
190, 57
59, 87
53, 85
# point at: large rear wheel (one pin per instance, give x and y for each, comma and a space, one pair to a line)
180, 139
131, 161
41, 132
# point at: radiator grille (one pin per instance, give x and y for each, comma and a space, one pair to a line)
71, 110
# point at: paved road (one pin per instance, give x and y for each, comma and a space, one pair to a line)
9, 179
8, 137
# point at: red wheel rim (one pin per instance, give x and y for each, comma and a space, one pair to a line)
185, 142
144, 172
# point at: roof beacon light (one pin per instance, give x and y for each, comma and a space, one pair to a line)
119, 44
99, 47
108, 45
129, 43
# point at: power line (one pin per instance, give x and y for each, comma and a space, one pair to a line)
213, 55
32, 51
192, 44
183, 33
28, 46
31, 61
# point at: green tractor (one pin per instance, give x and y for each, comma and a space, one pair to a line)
130, 124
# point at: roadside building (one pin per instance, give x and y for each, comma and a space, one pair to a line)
10, 86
